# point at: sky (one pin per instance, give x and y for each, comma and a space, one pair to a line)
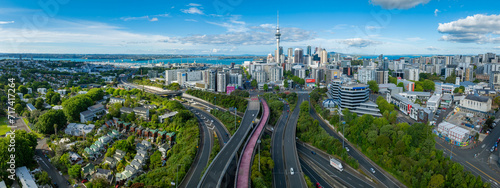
240, 27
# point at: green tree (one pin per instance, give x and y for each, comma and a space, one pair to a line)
46, 121
39, 103
25, 146
95, 94
428, 85
254, 83
43, 178
55, 99
373, 86
75, 171
393, 80
451, 78
23, 89
73, 106
174, 86
266, 87
285, 84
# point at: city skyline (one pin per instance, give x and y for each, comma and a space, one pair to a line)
391, 27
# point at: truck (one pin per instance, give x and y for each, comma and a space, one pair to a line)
336, 164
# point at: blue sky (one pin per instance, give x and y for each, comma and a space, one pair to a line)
235, 27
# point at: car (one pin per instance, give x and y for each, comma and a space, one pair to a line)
444, 108
287, 110
67, 182
60, 173
347, 149
85, 180
372, 170
318, 185
492, 149
314, 153
291, 171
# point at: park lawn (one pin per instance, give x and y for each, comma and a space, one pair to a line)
38, 135
3, 126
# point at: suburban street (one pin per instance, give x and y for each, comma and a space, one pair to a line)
47, 166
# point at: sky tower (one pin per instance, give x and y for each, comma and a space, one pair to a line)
278, 35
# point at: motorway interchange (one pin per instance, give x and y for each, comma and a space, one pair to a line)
291, 158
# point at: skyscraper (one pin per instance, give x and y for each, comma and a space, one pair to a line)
299, 56
221, 82
278, 35
309, 52
290, 55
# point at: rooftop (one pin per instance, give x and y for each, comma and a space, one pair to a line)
477, 98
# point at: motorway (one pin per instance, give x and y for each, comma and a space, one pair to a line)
202, 156
363, 162
313, 176
279, 179
204, 103
215, 172
345, 177
211, 121
290, 156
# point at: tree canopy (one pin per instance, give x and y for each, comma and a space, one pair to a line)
46, 122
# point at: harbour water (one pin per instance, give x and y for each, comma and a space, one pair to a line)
173, 60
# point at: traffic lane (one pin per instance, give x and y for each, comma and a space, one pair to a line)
215, 171
343, 177
224, 135
201, 160
51, 170
315, 178
291, 156
478, 166
361, 160
279, 179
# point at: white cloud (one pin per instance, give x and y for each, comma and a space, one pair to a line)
359, 42
194, 5
192, 10
255, 35
190, 20
153, 19
398, 4
497, 47
432, 48
232, 24
436, 12
6, 22
479, 29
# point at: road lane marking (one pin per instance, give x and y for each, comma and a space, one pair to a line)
482, 172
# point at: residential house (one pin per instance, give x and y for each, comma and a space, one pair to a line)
113, 100
92, 112
88, 170
103, 173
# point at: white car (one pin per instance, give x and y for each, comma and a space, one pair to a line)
291, 171
347, 149
373, 170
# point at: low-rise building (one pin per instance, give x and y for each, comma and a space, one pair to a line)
25, 177
92, 112
165, 116
30, 106
477, 105
77, 129
434, 102
139, 111
105, 174
116, 100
